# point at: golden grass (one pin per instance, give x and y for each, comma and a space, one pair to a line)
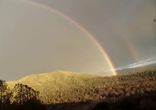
63, 86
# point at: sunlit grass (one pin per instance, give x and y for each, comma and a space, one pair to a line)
61, 87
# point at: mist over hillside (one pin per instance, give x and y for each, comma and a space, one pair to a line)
136, 67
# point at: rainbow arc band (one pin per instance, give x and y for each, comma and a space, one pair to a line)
103, 52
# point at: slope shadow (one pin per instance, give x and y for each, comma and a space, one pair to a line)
145, 101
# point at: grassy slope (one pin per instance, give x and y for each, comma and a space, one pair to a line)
62, 86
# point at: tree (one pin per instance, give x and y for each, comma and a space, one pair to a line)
23, 93
3, 88
5, 95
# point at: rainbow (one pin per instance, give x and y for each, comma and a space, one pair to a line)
118, 30
102, 50
130, 47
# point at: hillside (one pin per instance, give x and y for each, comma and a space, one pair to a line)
67, 87
63, 86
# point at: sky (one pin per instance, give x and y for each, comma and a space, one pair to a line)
35, 40
125, 28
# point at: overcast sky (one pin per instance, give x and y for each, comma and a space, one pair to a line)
34, 40
125, 28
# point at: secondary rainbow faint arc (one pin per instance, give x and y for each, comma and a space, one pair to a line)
102, 50
129, 46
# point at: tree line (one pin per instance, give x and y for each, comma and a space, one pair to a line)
20, 97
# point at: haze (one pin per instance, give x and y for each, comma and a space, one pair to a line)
34, 40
